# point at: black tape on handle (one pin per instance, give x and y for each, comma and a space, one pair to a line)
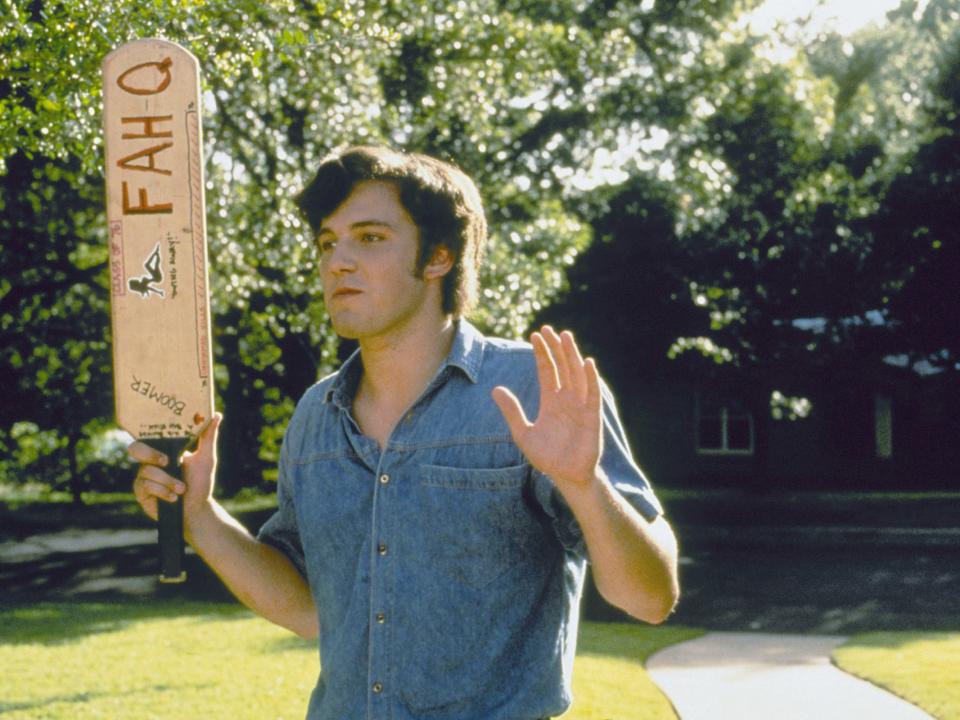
170, 516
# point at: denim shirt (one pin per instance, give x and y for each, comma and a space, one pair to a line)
446, 571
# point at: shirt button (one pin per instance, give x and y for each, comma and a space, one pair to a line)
381, 618
382, 548
384, 479
377, 688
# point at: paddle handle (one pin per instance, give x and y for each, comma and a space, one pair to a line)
170, 517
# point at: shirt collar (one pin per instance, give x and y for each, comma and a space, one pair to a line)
465, 354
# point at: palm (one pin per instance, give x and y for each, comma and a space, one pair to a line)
565, 441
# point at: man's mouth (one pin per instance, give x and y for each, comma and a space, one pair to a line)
345, 292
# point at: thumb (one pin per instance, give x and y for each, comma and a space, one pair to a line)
207, 440
512, 411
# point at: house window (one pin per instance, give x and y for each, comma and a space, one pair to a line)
724, 428
883, 426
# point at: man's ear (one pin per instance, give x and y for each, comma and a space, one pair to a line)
440, 263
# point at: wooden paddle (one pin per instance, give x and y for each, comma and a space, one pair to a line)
160, 305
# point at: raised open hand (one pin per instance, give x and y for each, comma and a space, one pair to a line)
566, 440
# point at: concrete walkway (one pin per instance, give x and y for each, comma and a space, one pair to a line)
746, 676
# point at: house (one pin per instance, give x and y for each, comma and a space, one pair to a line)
890, 427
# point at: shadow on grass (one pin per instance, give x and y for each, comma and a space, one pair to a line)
55, 572
56, 623
846, 589
633, 642
291, 643
105, 574
85, 697
898, 640
23, 519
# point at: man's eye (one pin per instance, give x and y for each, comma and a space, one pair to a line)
371, 237
325, 246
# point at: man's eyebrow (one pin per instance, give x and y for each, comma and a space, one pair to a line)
359, 225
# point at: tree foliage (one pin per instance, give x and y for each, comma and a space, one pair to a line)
917, 240
807, 191
732, 188
529, 98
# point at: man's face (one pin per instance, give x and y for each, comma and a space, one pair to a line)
368, 253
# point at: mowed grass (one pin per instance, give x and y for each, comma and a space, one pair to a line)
155, 661
179, 661
923, 668
609, 682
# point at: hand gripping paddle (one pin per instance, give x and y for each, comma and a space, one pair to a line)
160, 307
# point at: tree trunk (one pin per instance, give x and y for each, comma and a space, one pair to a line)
77, 485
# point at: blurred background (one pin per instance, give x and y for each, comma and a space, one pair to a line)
747, 211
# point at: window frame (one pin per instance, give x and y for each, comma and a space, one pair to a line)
724, 415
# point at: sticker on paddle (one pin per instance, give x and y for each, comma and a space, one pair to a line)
162, 364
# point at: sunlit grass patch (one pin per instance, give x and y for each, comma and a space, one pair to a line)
160, 661
609, 682
169, 660
921, 667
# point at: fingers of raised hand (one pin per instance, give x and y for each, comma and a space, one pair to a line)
547, 370
592, 376
512, 410
558, 354
577, 369
571, 370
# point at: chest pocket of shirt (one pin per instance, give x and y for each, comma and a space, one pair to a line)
476, 522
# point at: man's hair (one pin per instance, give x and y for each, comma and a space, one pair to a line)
440, 198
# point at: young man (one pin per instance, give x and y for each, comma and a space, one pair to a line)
430, 534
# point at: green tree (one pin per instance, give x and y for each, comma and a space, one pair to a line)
794, 229
917, 242
54, 358
782, 174
533, 99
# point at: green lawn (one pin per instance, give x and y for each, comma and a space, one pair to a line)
609, 682
159, 660
921, 667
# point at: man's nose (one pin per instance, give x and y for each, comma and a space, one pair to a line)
341, 259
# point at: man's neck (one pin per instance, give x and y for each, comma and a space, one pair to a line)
396, 371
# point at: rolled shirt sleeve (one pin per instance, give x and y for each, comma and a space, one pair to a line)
281, 530
618, 465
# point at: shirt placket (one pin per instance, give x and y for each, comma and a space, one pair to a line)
380, 671
379, 677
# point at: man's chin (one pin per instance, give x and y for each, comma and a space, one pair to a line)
347, 332
345, 329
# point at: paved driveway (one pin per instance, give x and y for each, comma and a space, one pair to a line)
742, 676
